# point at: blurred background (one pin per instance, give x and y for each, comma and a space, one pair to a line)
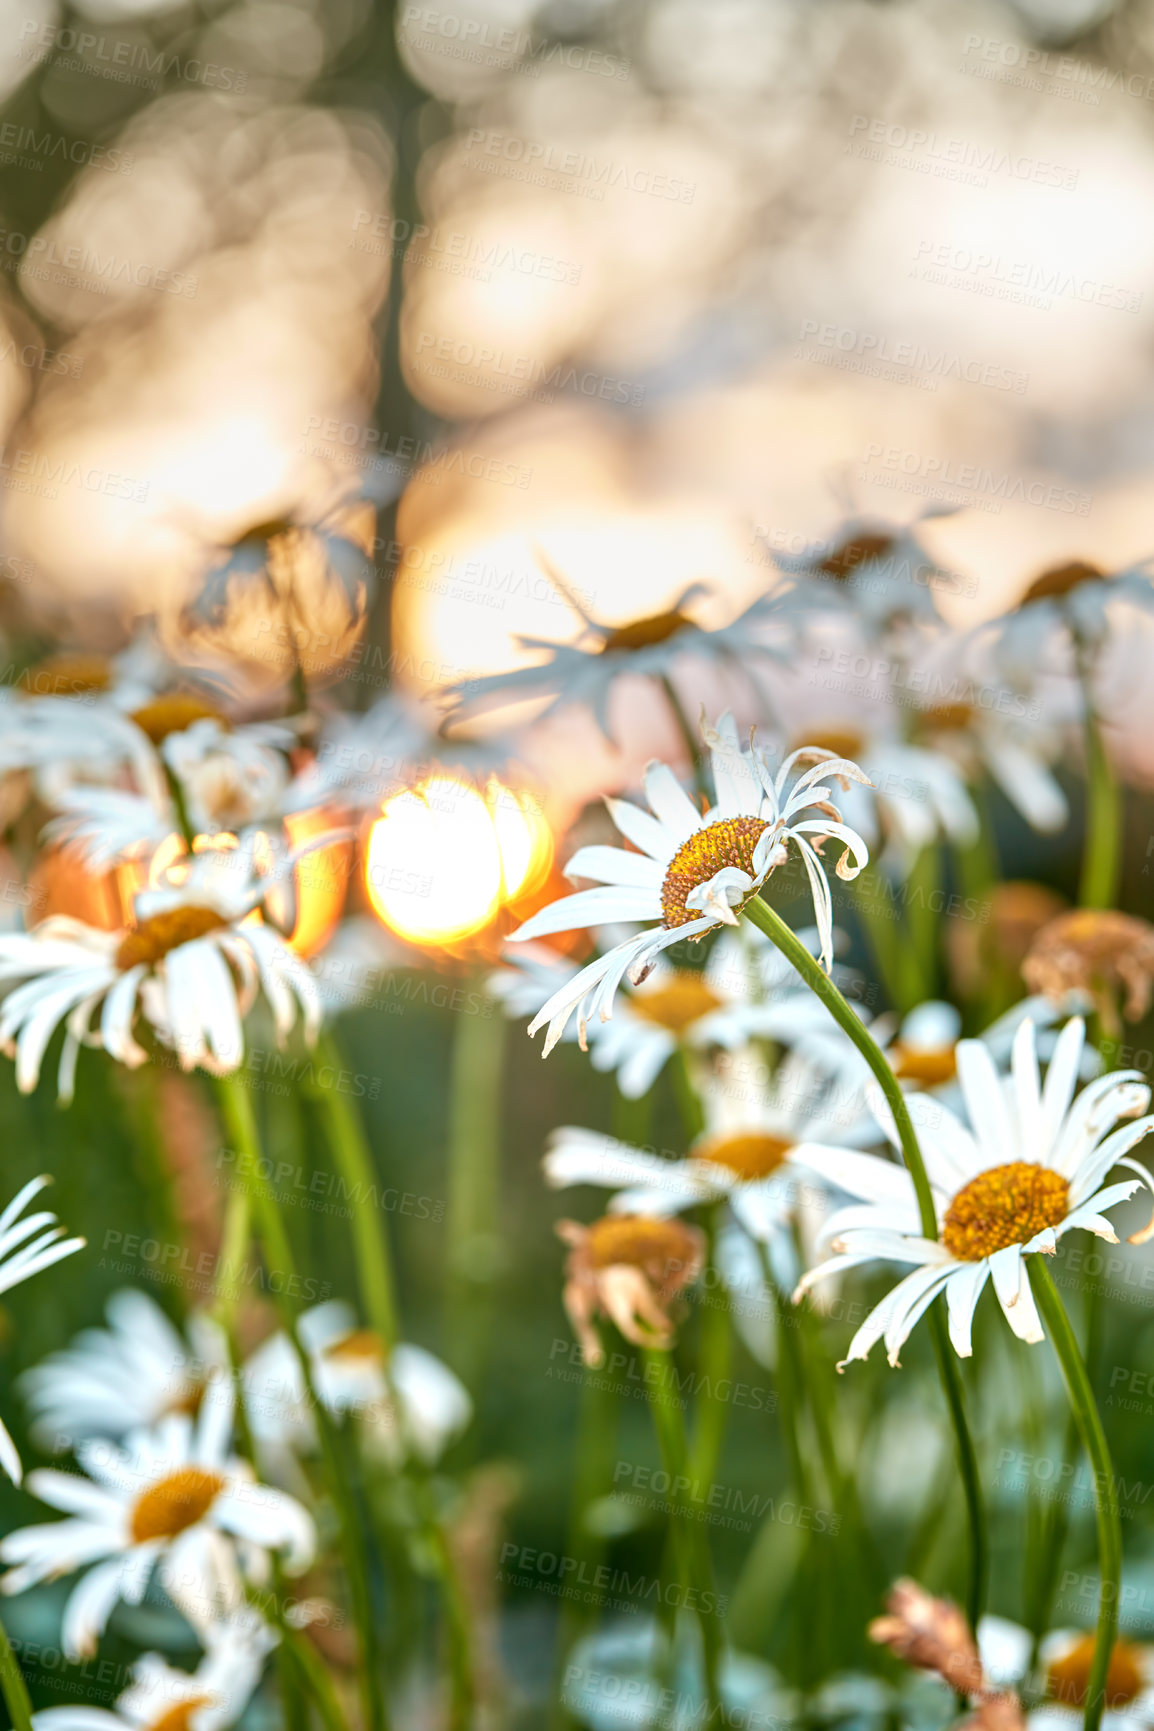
641, 293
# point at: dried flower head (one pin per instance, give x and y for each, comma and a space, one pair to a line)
1097, 951
629, 1267
930, 1633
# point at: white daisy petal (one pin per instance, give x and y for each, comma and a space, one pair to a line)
964, 1288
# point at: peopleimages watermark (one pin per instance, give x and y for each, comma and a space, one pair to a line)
24, 147
456, 251
1022, 282
28, 471
121, 59
503, 47
990, 489
600, 1584
38, 359
356, 444
869, 351
1032, 68
541, 163
927, 152
717, 1504
38, 256
203, 1271
492, 368
654, 1706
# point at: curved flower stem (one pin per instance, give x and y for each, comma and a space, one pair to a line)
236, 1108
791, 947
13, 1685
473, 1250
1102, 856
686, 730
353, 1156
1085, 1411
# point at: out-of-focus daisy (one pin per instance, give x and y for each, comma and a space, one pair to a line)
26, 1247
880, 569
193, 964
171, 1499
130, 1375
922, 1047
1065, 1657
1067, 605
1016, 753
1027, 1171
910, 795
1099, 952
408, 1402
692, 871
161, 1698
630, 1268
585, 670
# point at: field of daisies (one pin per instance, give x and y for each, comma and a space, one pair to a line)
775, 1353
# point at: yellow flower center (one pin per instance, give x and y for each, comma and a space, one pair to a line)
949, 717
641, 1241
1067, 1678
1006, 1205
174, 1504
644, 633
844, 561
841, 741
730, 842
152, 939
754, 1154
1059, 580
926, 1064
67, 674
177, 1718
172, 714
359, 1346
677, 1004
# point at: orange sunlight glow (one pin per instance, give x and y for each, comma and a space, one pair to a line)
443, 859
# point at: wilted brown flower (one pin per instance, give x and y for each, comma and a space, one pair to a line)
1097, 951
996, 1713
930, 1633
629, 1267
1017, 912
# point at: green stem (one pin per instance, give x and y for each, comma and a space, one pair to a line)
688, 733
693, 1556
776, 930
180, 807
13, 1685
1102, 852
238, 1114
922, 920
474, 1249
354, 1159
688, 1102
1085, 1410
887, 938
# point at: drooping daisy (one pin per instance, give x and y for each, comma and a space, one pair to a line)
26, 1247
161, 1698
171, 1499
410, 1405
1028, 1170
630, 1268
128, 1376
691, 871
192, 964
584, 671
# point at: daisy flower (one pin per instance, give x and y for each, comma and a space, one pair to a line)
171, 1499
1068, 604
193, 964
585, 671
690, 872
630, 1268
1028, 1170
1016, 753
130, 1375
410, 1404
26, 1247
1065, 1658
878, 568
161, 1698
